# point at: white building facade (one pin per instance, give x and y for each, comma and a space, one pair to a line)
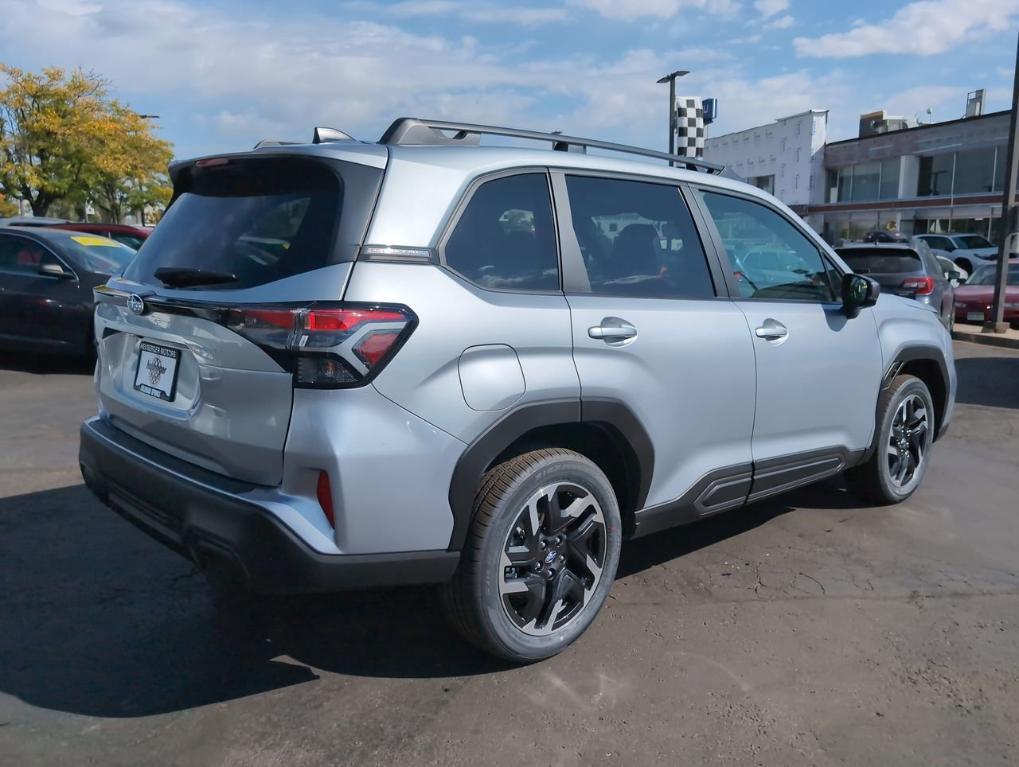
785, 158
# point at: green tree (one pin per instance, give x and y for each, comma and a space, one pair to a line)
63, 139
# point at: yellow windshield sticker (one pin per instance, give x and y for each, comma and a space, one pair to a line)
91, 241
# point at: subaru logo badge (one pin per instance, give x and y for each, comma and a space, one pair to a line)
135, 303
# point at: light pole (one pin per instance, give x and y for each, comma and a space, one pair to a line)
996, 323
671, 80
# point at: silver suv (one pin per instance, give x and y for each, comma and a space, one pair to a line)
341, 364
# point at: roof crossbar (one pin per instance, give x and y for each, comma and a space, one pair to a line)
411, 131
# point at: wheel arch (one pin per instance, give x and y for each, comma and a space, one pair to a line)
927, 363
604, 430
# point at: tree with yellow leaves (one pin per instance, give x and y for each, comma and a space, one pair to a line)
62, 138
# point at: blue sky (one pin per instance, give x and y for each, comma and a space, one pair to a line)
223, 74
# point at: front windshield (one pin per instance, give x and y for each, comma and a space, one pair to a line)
972, 241
99, 254
986, 275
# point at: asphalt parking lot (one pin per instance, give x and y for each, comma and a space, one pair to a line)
802, 631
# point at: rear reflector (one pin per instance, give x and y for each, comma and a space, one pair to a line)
325, 497
326, 346
922, 285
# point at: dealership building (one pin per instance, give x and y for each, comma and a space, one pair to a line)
935, 177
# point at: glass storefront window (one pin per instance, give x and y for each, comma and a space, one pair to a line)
935, 176
845, 184
889, 179
866, 181
974, 171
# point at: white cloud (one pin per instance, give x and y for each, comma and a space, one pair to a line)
768, 8
479, 13
921, 28
662, 9
782, 22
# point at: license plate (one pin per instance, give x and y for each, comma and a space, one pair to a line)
975, 316
157, 370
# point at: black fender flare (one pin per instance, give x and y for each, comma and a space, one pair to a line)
913, 353
478, 456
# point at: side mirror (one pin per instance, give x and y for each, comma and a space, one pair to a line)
858, 292
55, 270
954, 275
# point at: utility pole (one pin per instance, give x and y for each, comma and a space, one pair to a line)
997, 324
671, 80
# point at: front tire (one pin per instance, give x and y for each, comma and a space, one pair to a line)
902, 443
540, 558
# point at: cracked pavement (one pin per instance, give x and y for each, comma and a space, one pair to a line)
804, 630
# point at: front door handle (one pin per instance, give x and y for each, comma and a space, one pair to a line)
613, 329
771, 330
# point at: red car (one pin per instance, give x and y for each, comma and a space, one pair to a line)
974, 301
132, 236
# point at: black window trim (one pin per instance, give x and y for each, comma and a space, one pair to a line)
45, 246
445, 231
575, 278
832, 267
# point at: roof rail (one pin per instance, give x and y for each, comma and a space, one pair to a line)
411, 131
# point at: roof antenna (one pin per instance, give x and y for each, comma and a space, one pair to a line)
325, 135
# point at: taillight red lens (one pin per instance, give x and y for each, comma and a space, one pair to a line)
375, 346
348, 319
325, 497
922, 285
326, 346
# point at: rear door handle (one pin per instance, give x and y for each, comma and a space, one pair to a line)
613, 329
771, 330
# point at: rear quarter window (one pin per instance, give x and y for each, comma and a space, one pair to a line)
261, 219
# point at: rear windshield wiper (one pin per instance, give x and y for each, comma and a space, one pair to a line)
183, 277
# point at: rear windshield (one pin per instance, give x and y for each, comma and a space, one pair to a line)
261, 220
882, 261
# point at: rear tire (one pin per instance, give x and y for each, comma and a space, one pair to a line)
902, 442
540, 557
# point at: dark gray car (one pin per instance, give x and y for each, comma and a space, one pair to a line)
904, 270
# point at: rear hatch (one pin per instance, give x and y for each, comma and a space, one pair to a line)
897, 270
195, 337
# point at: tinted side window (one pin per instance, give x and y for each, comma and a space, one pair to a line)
23, 256
771, 258
505, 238
637, 239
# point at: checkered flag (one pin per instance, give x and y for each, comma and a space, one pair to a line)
690, 128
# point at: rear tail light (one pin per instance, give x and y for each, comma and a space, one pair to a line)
326, 346
923, 286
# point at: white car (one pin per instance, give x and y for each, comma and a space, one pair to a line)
953, 272
966, 250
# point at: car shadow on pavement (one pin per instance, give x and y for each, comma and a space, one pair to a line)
40, 364
98, 620
989, 381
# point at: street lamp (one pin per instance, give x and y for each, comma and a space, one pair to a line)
671, 80
996, 322
149, 117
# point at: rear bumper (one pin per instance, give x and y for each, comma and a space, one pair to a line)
204, 516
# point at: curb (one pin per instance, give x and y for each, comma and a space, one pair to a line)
987, 339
